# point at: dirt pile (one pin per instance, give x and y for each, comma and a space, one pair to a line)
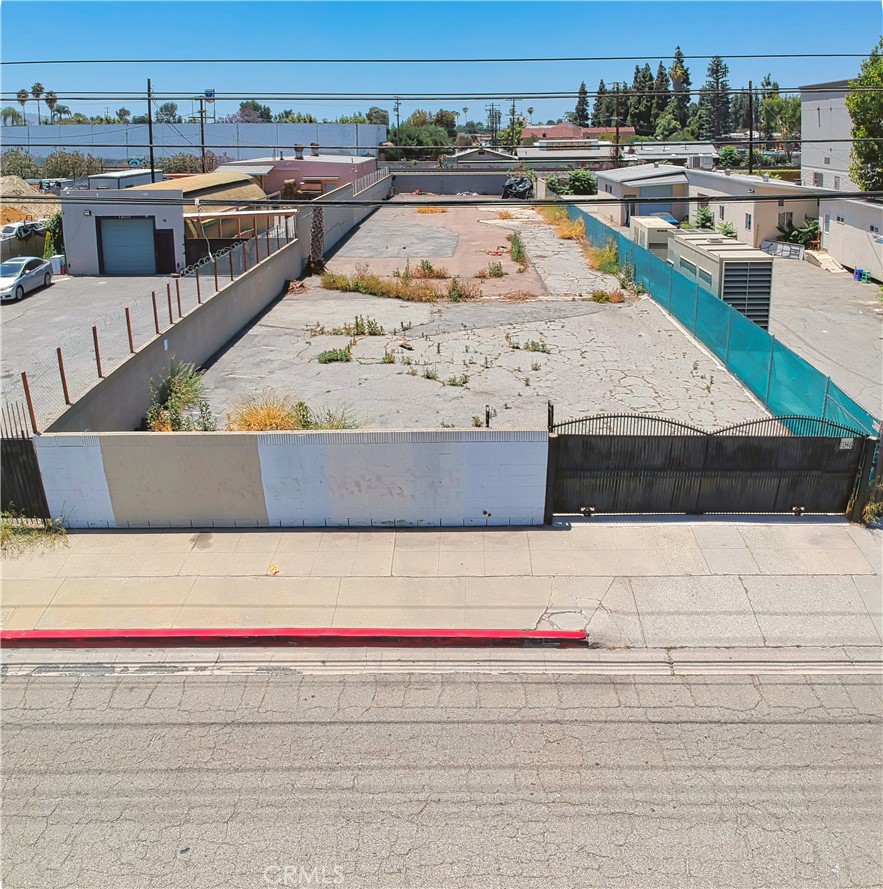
15, 204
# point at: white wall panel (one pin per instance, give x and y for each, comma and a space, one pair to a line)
435, 478
74, 480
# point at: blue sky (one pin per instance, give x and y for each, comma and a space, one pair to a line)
75, 30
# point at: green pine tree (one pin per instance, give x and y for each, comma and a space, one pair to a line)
581, 112
714, 100
679, 106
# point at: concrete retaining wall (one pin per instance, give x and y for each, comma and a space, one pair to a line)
120, 401
451, 183
291, 479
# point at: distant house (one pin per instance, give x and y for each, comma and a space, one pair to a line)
825, 128
573, 131
479, 158
303, 174
637, 183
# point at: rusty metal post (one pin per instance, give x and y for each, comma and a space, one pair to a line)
155, 311
67, 398
169, 296
29, 400
128, 331
230, 254
267, 235
198, 292
178, 295
215, 267
97, 350
245, 256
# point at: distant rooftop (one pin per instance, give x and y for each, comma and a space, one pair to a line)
309, 158
642, 171
831, 85
122, 174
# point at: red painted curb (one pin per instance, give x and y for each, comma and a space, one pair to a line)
290, 636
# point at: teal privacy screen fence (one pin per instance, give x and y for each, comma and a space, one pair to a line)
780, 378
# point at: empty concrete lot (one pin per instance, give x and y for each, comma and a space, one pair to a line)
528, 339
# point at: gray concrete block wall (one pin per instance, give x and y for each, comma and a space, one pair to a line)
451, 183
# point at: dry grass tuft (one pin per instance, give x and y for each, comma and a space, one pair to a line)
267, 413
425, 211
566, 228
504, 214
426, 269
19, 533
602, 259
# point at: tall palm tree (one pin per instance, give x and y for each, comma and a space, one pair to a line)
51, 102
62, 111
465, 116
23, 96
36, 92
11, 116
530, 114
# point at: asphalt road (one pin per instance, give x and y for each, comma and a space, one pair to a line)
468, 779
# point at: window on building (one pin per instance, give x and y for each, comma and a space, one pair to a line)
748, 222
704, 277
720, 211
688, 267
875, 229
828, 161
836, 182
818, 179
840, 219
785, 220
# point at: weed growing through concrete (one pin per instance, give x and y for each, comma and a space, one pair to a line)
566, 228
535, 346
388, 358
430, 373
426, 211
458, 291
504, 214
494, 270
477, 422
462, 380
517, 251
330, 356
360, 327
365, 281
535, 365
607, 296
427, 270
273, 412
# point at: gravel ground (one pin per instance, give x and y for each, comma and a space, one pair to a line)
454, 359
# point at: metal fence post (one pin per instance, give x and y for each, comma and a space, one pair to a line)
67, 398
31, 412
97, 350
230, 254
727, 347
215, 267
129, 331
198, 292
245, 256
863, 484
178, 295
169, 295
551, 477
155, 310
267, 236
769, 373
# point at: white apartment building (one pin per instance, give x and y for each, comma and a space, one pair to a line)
824, 116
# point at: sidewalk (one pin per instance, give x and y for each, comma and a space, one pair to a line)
628, 582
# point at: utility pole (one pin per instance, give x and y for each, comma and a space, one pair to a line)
616, 123
202, 132
398, 108
150, 130
512, 125
750, 129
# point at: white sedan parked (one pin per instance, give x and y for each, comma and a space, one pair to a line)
23, 274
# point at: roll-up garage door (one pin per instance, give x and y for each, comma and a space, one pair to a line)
127, 247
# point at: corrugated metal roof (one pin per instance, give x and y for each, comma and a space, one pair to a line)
203, 182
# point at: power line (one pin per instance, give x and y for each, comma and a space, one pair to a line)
267, 205
602, 143
545, 60
524, 95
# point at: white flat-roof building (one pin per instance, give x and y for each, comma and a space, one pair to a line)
852, 234
124, 179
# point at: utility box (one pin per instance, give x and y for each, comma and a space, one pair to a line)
651, 233
738, 274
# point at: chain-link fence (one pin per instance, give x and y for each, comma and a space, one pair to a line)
85, 355
781, 379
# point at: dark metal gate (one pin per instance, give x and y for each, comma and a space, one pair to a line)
21, 485
636, 464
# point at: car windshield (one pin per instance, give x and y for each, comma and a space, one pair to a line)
10, 269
